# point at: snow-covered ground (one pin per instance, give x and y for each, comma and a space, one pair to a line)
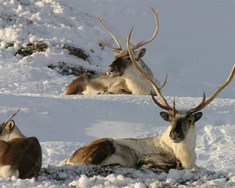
195, 46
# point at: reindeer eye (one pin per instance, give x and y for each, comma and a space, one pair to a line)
189, 121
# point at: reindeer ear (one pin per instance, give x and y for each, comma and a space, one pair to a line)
165, 116
197, 116
9, 126
141, 53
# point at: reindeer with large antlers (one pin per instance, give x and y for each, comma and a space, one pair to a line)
180, 136
121, 76
20, 156
175, 148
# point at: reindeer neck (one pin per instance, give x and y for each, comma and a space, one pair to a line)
185, 150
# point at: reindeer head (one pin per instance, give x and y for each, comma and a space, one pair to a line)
120, 64
180, 121
9, 130
122, 59
180, 124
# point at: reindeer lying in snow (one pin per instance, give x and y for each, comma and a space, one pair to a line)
88, 84
121, 76
175, 148
20, 156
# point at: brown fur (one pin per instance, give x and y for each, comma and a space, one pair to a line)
23, 154
77, 85
118, 66
161, 160
93, 153
100, 152
175, 148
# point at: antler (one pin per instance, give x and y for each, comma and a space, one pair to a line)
142, 43
118, 52
205, 101
164, 104
13, 115
119, 48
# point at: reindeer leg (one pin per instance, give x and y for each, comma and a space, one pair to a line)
162, 160
119, 88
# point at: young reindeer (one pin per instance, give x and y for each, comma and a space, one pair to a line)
20, 156
175, 148
121, 76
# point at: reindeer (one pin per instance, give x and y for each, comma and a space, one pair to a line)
121, 76
87, 84
175, 148
20, 156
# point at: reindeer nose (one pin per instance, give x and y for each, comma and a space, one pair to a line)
175, 136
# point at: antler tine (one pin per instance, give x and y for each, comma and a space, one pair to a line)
108, 45
164, 104
132, 45
200, 106
164, 83
112, 35
159, 104
142, 43
13, 115
205, 101
173, 109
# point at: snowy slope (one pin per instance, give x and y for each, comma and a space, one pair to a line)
194, 36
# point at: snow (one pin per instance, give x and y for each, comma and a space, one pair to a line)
195, 46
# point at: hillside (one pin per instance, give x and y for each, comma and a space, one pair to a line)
41, 42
